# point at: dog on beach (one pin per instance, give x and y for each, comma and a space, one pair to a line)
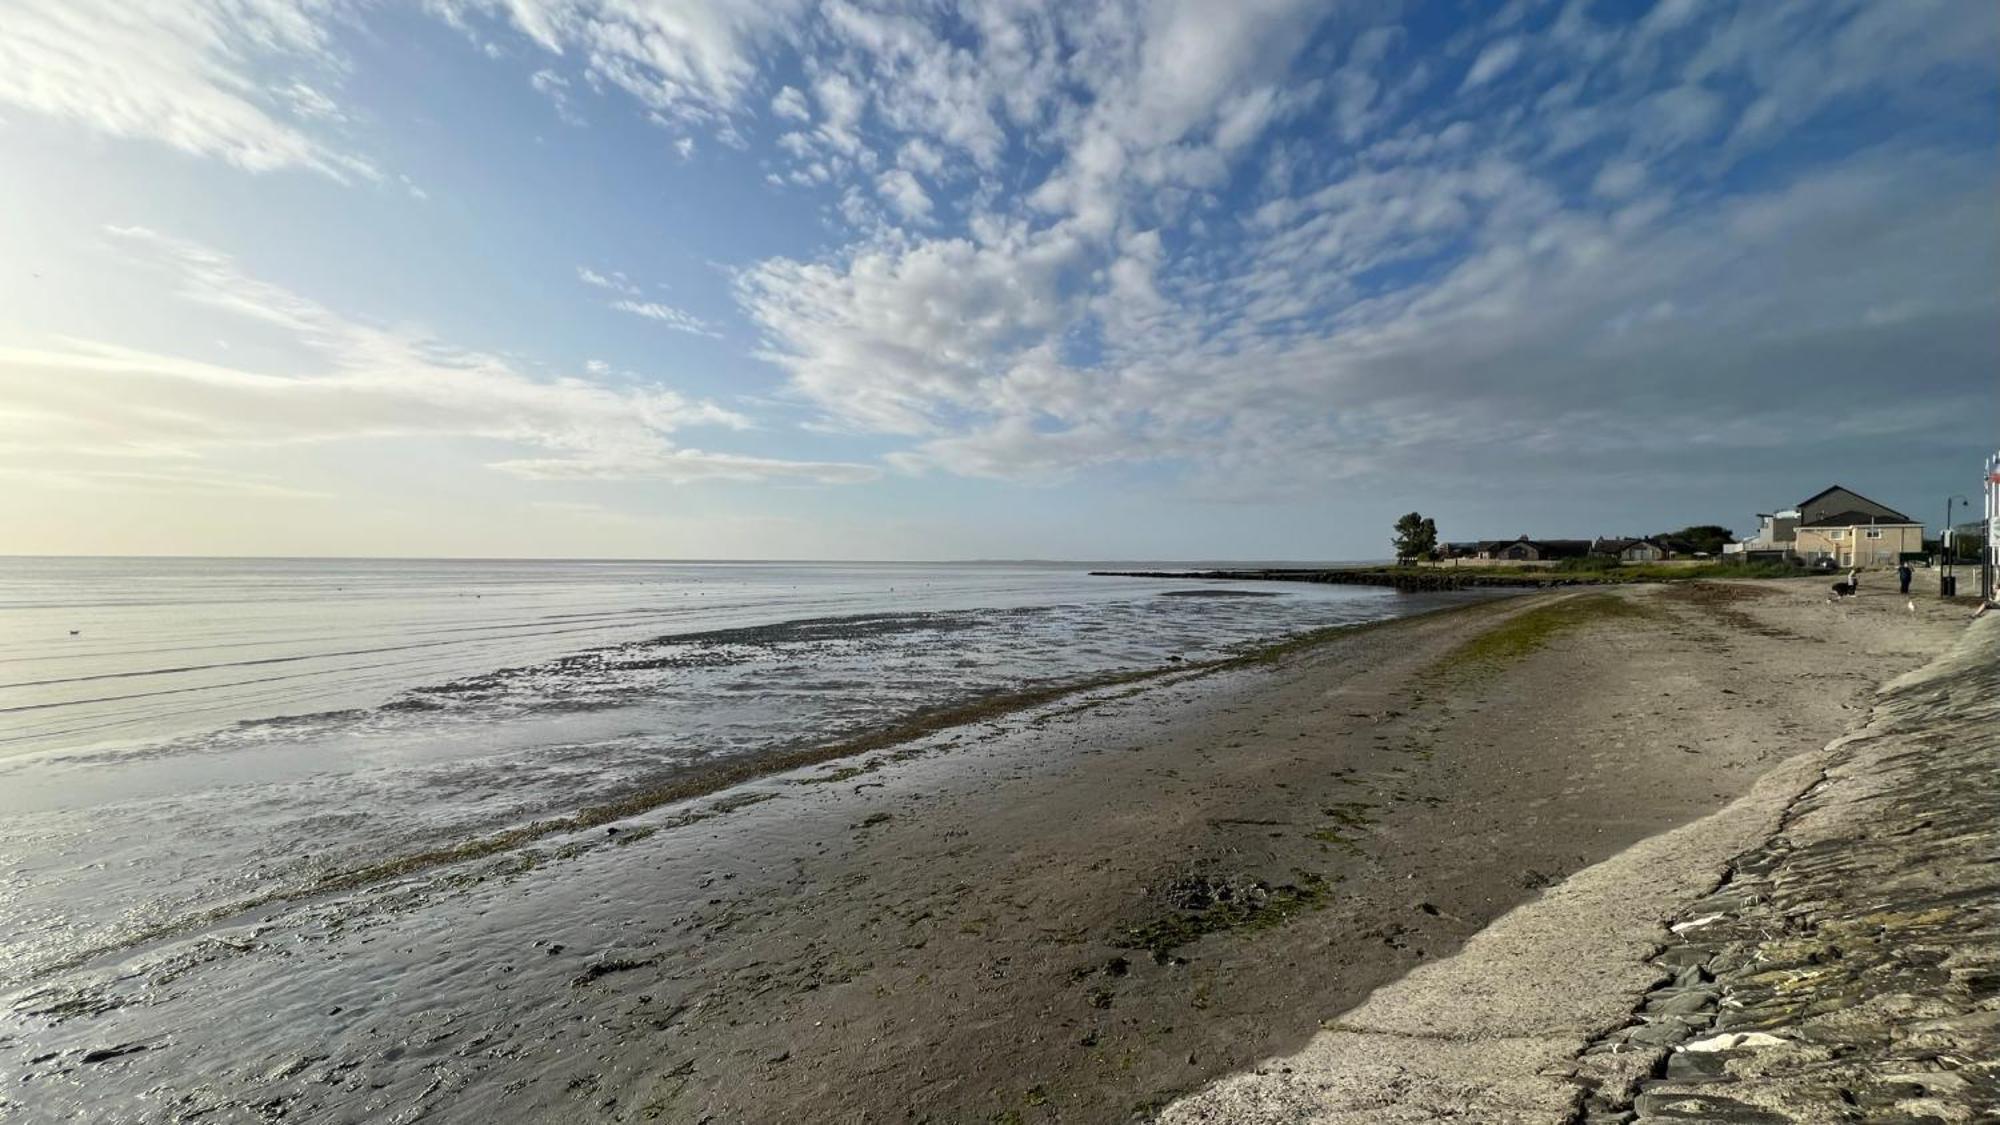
1847, 587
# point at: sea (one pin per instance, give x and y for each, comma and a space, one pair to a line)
178, 735
296, 837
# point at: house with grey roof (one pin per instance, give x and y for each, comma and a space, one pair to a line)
1525, 549
1633, 550
1837, 526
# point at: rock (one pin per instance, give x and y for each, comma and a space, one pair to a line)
1733, 1041
1694, 1066
1683, 1002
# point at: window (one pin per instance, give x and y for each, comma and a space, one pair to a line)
1836, 536
1874, 533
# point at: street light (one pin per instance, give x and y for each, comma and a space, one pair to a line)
1947, 583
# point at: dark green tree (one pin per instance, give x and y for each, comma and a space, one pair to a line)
1416, 537
1707, 537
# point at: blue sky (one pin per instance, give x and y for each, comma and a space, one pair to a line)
722, 279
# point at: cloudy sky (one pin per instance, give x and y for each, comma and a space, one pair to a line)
872, 279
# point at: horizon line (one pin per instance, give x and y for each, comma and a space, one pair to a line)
4, 555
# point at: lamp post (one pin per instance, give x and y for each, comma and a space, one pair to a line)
1947, 582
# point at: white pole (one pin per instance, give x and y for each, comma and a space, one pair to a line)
1989, 568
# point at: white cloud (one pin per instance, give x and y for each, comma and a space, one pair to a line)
201, 76
613, 280
1252, 237
1619, 178
1494, 60
893, 338
91, 409
688, 60
905, 194
309, 103
790, 103
1561, 335
840, 105
919, 156
555, 87
1441, 284
1667, 16
679, 320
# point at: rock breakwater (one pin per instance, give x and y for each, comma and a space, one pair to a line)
1402, 578
1848, 969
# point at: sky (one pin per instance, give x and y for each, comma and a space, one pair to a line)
1018, 279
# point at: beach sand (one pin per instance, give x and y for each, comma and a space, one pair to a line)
1073, 912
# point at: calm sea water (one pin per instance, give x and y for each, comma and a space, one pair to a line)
197, 756
177, 735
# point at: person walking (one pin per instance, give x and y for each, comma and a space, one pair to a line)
1904, 574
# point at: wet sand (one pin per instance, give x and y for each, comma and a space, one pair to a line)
1072, 912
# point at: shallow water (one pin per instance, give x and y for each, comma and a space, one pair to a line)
181, 738
180, 777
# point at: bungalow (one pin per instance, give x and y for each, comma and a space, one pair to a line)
1525, 549
1631, 550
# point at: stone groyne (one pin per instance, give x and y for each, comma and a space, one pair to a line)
1402, 578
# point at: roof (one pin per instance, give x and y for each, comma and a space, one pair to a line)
1618, 546
1807, 502
1578, 547
1862, 519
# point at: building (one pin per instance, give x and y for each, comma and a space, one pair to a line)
1632, 550
1775, 532
1835, 525
1816, 510
1857, 538
1525, 549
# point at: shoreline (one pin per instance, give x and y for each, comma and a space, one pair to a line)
709, 780
1074, 912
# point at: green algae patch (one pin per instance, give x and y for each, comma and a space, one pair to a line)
1350, 814
1333, 837
1199, 906
1531, 630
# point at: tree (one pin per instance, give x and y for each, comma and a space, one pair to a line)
1416, 537
1707, 538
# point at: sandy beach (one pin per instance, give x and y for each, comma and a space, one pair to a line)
1076, 911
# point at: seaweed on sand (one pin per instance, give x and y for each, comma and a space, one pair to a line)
1198, 905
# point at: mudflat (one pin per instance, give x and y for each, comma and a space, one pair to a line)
1074, 911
